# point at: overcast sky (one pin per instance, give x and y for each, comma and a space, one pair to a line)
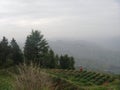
77, 19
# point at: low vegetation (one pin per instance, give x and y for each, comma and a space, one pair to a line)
31, 77
5, 80
48, 71
88, 80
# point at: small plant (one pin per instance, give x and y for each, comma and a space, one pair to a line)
31, 78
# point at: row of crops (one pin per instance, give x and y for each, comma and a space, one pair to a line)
84, 78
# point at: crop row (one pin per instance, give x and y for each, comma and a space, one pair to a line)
84, 77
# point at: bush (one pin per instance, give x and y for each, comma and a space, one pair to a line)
31, 78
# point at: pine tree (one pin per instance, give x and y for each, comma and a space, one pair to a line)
0, 54
4, 51
72, 62
63, 62
51, 59
35, 48
17, 55
57, 59
66, 62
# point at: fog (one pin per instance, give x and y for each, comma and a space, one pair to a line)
89, 20
88, 30
60, 19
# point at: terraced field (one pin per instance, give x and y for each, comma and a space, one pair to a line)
88, 80
70, 80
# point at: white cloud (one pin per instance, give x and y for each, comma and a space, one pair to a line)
61, 18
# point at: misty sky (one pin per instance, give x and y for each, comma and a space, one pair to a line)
78, 19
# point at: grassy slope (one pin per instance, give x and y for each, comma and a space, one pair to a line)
6, 83
70, 77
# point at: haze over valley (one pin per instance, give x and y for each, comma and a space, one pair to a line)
89, 30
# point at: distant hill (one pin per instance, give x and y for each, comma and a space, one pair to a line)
89, 55
111, 43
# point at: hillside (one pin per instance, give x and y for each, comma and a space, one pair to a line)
85, 80
112, 43
60, 80
89, 55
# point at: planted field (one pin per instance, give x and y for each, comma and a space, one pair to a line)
61, 80
87, 80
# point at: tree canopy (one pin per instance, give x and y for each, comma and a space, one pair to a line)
16, 52
36, 50
35, 47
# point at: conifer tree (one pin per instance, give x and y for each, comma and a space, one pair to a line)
66, 62
4, 50
51, 59
72, 62
16, 53
57, 59
35, 48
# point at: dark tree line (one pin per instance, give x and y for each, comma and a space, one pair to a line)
36, 50
10, 53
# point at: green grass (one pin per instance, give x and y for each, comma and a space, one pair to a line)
89, 80
69, 80
5, 81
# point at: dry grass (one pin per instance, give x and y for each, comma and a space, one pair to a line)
31, 78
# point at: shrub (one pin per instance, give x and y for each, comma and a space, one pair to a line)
31, 78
